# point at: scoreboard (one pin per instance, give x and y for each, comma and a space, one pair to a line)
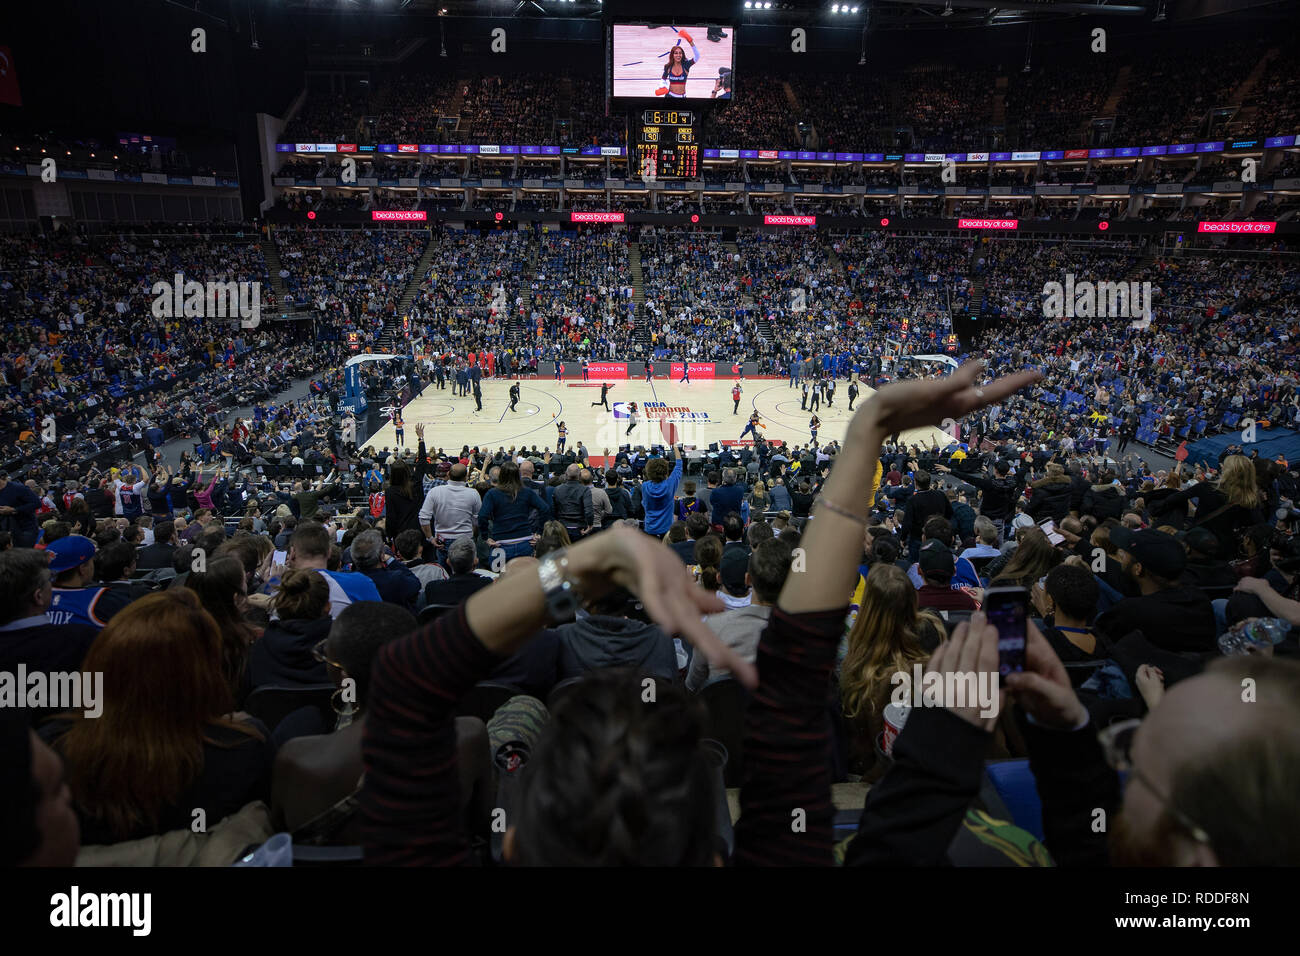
666, 146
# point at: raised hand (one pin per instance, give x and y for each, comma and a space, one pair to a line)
906, 405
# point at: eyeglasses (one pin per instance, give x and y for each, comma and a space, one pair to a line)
321, 652
1117, 747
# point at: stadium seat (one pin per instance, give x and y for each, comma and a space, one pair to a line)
1015, 785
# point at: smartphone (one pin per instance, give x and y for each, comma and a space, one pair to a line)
1008, 610
1049, 529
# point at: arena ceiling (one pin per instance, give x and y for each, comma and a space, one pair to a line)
854, 14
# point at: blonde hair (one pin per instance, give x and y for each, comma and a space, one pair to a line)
885, 639
1238, 483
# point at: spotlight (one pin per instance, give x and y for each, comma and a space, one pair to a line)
835, 8
749, 4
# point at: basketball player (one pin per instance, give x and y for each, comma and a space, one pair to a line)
755, 421
649, 371
586, 367
686, 374
559, 370
514, 396
604, 396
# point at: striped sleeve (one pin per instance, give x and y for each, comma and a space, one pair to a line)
410, 803
785, 800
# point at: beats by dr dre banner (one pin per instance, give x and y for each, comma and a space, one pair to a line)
698, 370
789, 220
595, 217
988, 223
1238, 228
398, 215
607, 370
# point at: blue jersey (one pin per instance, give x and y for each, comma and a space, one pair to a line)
77, 606
347, 587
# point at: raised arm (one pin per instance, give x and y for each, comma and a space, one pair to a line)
787, 745
410, 803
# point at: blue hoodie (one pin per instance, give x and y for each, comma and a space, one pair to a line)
657, 500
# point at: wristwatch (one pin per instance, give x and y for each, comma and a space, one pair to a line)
561, 598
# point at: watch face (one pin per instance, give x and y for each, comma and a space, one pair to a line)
563, 604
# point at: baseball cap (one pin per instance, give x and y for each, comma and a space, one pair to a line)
1161, 553
735, 564
69, 552
936, 557
1200, 540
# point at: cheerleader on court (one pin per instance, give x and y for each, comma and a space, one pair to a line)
678, 67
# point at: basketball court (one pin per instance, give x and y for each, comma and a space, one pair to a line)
696, 414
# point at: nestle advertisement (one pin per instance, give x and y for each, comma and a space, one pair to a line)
607, 370
698, 370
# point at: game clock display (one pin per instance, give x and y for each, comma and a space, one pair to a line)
666, 147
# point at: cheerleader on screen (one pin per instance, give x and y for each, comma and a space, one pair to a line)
677, 68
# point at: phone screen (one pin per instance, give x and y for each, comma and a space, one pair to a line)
1008, 611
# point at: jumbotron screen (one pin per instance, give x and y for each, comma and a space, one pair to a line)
673, 63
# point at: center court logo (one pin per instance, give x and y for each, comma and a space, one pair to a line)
662, 411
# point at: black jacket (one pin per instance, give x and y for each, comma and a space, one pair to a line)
282, 657
921, 506
1104, 501
1051, 499
155, 556
572, 504
998, 495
